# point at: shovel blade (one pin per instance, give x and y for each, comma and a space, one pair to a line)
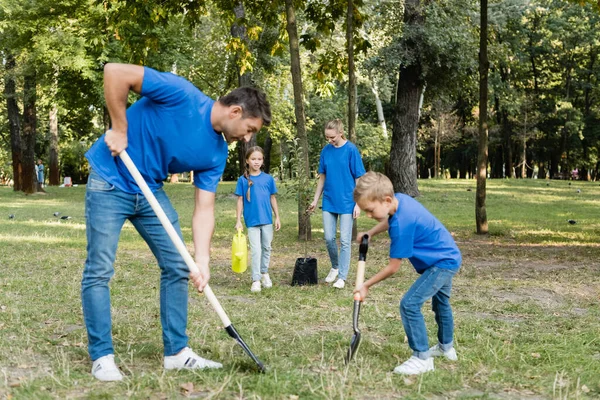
234, 334
355, 341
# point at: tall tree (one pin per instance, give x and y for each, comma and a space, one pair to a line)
12, 108
351, 71
482, 155
304, 230
29, 132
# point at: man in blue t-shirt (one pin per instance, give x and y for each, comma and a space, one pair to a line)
173, 128
417, 235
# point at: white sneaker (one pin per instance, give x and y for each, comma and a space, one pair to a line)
105, 369
414, 366
266, 281
436, 351
187, 359
255, 287
333, 273
339, 284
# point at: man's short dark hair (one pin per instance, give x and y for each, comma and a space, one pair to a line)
254, 103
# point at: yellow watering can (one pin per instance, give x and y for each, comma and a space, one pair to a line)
239, 253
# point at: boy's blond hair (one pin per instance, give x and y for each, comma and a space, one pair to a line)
373, 186
336, 125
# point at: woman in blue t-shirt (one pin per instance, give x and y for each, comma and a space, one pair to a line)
256, 191
340, 166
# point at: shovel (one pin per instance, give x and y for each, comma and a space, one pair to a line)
360, 278
164, 220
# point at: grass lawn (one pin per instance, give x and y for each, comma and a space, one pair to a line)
526, 305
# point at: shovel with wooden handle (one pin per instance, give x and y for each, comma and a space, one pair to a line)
360, 278
164, 220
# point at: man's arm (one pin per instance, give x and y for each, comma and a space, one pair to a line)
119, 79
318, 192
203, 225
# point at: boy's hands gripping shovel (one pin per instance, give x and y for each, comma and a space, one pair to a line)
360, 278
164, 220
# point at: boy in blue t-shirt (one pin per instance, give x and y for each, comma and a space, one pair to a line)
173, 128
417, 235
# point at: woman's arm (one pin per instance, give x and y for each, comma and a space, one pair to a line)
276, 211
318, 192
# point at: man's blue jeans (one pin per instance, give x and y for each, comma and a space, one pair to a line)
106, 210
260, 238
341, 263
435, 284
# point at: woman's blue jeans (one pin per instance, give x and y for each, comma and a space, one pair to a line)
106, 210
341, 262
260, 238
435, 284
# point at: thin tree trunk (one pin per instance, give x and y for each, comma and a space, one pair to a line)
12, 109
304, 230
379, 108
267, 149
351, 73
524, 153
29, 133
54, 173
482, 155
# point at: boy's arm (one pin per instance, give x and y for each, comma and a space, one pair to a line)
238, 213
276, 211
385, 273
382, 226
119, 79
203, 225
318, 192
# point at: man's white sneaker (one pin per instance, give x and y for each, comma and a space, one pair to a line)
105, 369
414, 366
187, 359
266, 281
333, 273
255, 287
436, 351
339, 284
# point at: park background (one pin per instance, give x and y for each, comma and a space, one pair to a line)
450, 90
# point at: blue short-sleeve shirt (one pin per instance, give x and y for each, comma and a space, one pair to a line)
169, 131
417, 235
258, 210
341, 166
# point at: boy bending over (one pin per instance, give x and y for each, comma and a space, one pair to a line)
417, 235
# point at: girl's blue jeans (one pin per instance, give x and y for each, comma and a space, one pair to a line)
435, 284
260, 238
106, 210
341, 263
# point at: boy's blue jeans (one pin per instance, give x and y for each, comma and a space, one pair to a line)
341, 263
435, 284
260, 238
106, 210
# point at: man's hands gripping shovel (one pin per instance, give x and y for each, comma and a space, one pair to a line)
360, 292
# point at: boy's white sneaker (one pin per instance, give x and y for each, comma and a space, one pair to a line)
436, 351
414, 366
187, 359
105, 369
333, 273
266, 281
255, 287
339, 284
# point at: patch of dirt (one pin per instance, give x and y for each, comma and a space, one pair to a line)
542, 297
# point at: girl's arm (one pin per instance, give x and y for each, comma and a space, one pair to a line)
238, 213
276, 211
380, 227
318, 192
385, 273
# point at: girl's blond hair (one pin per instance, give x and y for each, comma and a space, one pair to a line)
373, 186
247, 170
336, 125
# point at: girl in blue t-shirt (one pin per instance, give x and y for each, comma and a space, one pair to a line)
340, 166
256, 198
